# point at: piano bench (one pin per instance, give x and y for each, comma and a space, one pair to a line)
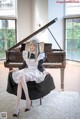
36, 90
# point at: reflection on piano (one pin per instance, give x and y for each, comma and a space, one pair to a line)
55, 57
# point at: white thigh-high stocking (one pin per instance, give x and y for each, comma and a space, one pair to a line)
19, 93
25, 88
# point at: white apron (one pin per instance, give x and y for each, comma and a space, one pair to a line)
31, 73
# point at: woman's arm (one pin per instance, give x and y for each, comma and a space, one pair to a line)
41, 56
40, 66
24, 65
41, 59
25, 56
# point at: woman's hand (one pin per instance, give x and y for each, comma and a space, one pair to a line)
45, 72
14, 69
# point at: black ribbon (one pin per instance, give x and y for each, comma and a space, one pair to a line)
32, 55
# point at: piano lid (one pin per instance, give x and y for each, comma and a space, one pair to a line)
33, 34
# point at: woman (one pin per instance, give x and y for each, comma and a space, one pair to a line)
34, 72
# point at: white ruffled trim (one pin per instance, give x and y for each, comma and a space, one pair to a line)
41, 56
25, 55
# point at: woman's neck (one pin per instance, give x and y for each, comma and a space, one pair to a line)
32, 52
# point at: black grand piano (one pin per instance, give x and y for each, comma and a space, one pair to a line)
55, 57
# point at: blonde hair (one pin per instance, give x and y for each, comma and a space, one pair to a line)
35, 42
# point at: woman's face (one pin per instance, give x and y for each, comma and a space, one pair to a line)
32, 47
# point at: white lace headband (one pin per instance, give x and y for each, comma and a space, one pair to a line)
35, 41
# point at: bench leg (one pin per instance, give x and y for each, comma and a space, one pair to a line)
40, 101
31, 102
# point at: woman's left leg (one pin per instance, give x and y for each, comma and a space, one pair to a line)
25, 88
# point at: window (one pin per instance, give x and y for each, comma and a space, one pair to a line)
7, 35
7, 25
72, 28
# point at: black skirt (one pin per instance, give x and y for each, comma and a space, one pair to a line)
36, 90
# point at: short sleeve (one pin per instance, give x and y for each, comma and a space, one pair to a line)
41, 56
25, 55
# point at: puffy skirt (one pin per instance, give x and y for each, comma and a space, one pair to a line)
29, 75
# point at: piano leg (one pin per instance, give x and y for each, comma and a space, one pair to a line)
62, 78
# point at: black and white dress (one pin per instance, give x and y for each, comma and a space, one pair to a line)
32, 73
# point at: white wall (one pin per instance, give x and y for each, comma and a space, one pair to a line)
31, 13
56, 10
24, 19
39, 13
39, 17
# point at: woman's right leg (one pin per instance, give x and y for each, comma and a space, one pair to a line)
22, 83
19, 93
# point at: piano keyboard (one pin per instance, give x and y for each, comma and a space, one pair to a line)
16, 63
20, 63
52, 63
